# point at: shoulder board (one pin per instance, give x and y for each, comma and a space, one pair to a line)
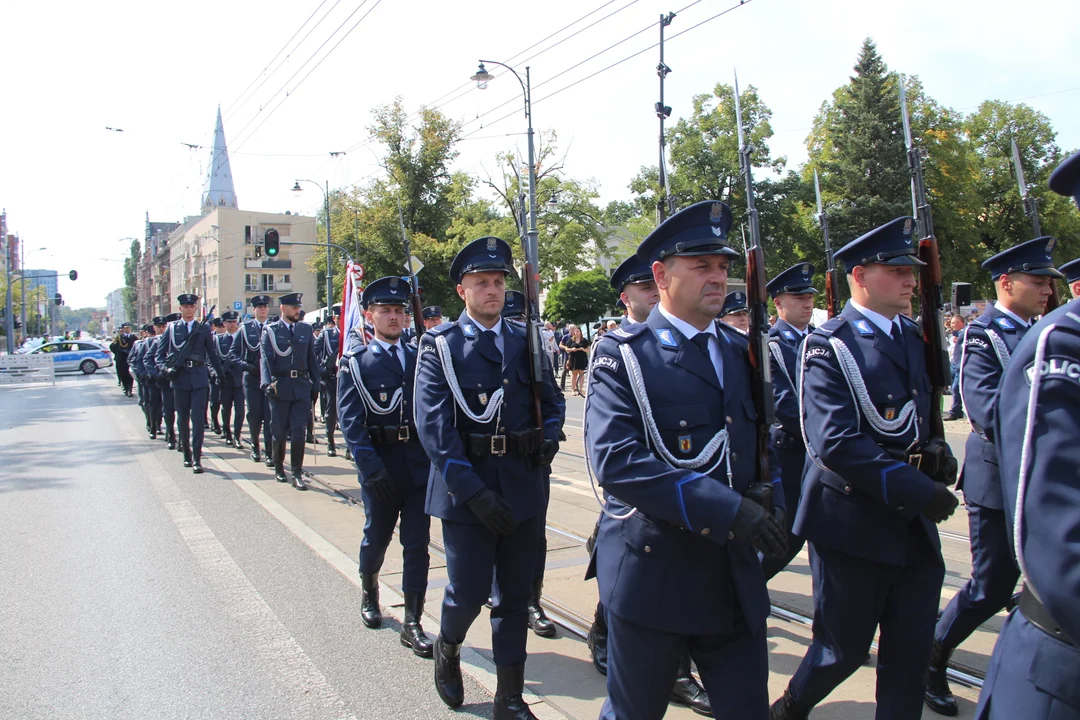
981, 321
828, 328
443, 329
910, 322
624, 334
732, 333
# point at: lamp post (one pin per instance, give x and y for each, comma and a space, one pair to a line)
329, 265
482, 77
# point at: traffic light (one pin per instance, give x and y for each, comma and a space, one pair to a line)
272, 242
57, 300
73, 275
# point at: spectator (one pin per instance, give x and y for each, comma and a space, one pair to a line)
577, 350
567, 331
956, 344
551, 345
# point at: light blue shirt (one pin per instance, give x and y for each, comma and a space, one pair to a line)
499, 343
689, 332
401, 351
883, 323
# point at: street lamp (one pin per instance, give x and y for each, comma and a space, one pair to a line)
329, 264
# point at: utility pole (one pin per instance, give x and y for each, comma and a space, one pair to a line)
663, 200
329, 260
9, 315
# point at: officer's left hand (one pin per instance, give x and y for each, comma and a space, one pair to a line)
942, 464
545, 453
380, 486
780, 515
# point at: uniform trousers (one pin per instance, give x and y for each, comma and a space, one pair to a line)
153, 391
123, 371
215, 402
381, 516
471, 552
191, 417
232, 409
993, 578
644, 662
168, 407
258, 412
289, 419
852, 598
328, 407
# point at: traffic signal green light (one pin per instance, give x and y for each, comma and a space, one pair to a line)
272, 242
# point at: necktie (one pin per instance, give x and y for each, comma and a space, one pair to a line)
702, 341
898, 335
291, 326
393, 353
488, 338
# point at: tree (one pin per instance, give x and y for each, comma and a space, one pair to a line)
580, 298
131, 266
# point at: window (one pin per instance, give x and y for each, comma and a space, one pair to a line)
251, 282
247, 234
286, 279
267, 283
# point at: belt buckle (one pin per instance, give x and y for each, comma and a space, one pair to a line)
403, 433
915, 460
294, 373
498, 444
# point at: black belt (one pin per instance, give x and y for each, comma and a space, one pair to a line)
193, 363
908, 458
1037, 614
391, 434
290, 373
521, 442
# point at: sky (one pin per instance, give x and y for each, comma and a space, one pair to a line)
298, 80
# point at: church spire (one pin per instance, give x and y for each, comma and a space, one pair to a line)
218, 190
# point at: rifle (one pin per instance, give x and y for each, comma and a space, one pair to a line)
832, 289
414, 282
1031, 209
758, 303
530, 287
185, 351
931, 287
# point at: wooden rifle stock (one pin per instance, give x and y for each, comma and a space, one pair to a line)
932, 308
832, 297
761, 378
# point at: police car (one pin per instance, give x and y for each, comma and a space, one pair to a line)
71, 355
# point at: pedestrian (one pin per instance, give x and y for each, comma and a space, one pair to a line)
677, 551
121, 349
474, 415
375, 385
875, 488
229, 345
577, 358
255, 400
290, 378
956, 332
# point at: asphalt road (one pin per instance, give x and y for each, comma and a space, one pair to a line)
134, 589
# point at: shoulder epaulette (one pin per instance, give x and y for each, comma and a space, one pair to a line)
909, 321
443, 329
828, 328
733, 332
981, 321
624, 334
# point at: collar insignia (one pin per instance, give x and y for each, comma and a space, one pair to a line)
788, 334
665, 337
1005, 323
864, 328
469, 329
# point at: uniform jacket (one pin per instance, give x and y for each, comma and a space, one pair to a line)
298, 354
229, 349
135, 358
455, 479
786, 433
326, 349
673, 565
123, 345
866, 501
251, 352
382, 375
203, 354
980, 380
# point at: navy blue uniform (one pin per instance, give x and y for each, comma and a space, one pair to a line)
383, 437
288, 362
326, 349
153, 384
876, 560
785, 343
258, 405
189, 388
229, 348
1036, 662
462, 466
672, 575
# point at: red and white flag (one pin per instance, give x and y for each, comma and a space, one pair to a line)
352, 315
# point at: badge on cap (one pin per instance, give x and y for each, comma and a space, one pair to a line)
483, 398
907, 228
864, 328
716, 213
1005, 323
717, 231
806, 269
468, 330
665, 337
1050, 247
685, 443
491, 244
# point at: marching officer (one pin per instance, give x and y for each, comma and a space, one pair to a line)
217, 325
375, 384
473, 415
229, 346
876, 486
792, 292
258, 404
327, 352
1032, 673
135, 364
184, 355
153, 377
121, 348
1022, 278
677, 551
290, 378
168, 398
1071, 271
433, 316
736, 313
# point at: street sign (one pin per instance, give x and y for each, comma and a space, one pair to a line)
414, 266
238, 305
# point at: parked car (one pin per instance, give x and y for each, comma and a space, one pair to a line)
70, 355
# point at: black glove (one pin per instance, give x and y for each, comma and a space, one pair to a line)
941, 504
270, 390
251, 367
761, 529
780, 515
171, 374
545, 453
938, 462
493, 511
380, 486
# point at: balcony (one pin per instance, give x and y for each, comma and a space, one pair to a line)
268, 264
283, 286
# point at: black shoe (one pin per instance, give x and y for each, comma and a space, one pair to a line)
938, 696
348, 454
787, 709
269, 460
280, 476
448, 681
278, 462
298, 479
172, 444
153, 435
196, 468
369, 602
237, 444
255, 456
538, 621
187, 461
509, 705
686, 691
331, 451
228, 439
953, 416
412, 633
597, 641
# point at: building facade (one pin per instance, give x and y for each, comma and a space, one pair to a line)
152, 275
41, 278
115, 310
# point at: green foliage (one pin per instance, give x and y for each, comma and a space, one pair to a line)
580, 298
131, 265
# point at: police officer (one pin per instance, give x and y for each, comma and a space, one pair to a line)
677, 551
290, 378
121, 348
876, 486
433, 316
1022, 278
473, 415
736, 313
217, 325
258, 405
375, 384
792, 292
1032, 673
1071, 271
229, 346
135, 364
168, 398
327, 352
184, 356
153, 377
